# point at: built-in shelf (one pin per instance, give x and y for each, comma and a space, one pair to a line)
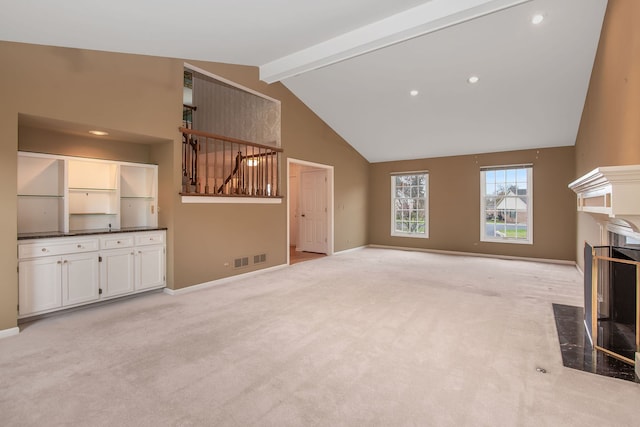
66, 194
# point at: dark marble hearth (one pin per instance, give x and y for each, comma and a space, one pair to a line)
577, 351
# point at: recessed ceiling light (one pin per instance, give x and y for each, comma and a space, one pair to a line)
98, 132
473, 79
537, 19
414, 93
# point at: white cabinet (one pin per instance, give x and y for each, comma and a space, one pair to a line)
64, 193
150, 260
79, 279
56, 273
40, 284
136, 264
150, 267
116, 272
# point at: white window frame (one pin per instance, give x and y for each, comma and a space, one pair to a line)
483, 236
395, 233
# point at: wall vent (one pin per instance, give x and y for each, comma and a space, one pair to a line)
240, 262
258, 259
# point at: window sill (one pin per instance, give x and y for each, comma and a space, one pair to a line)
413, 236
232, 199
514, 241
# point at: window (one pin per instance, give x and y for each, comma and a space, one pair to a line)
506, 204
410, 204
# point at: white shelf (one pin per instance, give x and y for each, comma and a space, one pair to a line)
92, 174
40, 176
63, 193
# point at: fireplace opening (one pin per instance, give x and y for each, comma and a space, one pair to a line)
616, 299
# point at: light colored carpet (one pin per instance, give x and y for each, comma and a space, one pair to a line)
372, 337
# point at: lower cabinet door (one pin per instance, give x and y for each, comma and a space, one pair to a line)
40, 286
80, 275
116, 272
149, 267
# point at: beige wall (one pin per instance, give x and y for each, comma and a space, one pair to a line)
143, 95
609, 132
454, 203
52, 142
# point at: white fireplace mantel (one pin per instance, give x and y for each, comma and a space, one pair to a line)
613, 191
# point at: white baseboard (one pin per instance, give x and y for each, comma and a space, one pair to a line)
5, 333
218, 282
474, 254
350, 250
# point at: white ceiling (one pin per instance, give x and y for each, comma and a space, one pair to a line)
354, 62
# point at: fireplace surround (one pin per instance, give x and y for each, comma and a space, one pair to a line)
611, 195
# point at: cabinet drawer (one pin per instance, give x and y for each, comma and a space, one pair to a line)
118, 241
56, 247
155, 238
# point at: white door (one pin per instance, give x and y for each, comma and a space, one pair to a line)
80, 278
313, 211
39, 285
116, 272
149, 267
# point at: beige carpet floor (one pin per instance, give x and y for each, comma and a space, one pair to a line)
372, 337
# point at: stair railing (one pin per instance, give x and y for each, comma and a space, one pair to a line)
224, 166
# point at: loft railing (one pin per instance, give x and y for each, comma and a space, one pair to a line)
189, 149
216, 165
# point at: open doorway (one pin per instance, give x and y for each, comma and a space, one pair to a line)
309, 210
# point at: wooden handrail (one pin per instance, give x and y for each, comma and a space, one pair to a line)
229, 139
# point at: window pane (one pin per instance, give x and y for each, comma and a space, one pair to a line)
409, 193
506, 206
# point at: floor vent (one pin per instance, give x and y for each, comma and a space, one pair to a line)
258, 259
240, 262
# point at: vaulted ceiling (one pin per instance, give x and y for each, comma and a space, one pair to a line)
354, 63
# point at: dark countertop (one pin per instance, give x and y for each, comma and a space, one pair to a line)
49, 234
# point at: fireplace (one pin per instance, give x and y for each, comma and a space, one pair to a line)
612, 266
611, 285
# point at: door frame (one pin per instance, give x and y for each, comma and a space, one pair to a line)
330, 204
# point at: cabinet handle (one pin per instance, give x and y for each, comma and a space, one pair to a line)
118, 242
44, 249
151, 238
139, 252
133, 253
79, 246
64, 262
59, 262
